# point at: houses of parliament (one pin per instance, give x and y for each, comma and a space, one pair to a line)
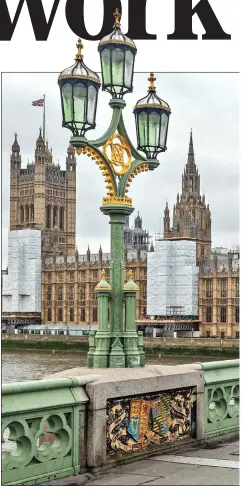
43, 197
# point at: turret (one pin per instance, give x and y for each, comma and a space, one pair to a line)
166, 220
138, 222
15, 157
70, 159
41, 154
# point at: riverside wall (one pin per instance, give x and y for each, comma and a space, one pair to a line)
188, 346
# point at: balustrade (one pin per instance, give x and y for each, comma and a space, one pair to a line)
43, 434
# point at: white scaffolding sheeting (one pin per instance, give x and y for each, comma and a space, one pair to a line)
172, 277
21, 291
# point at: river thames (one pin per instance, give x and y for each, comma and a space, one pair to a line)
32, 364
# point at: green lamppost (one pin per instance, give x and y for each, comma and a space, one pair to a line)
117, 343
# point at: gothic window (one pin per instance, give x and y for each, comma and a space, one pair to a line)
83, 315
27, 213
202, 251
223, 314
49, 314
95, 275
208, 314
49, 293
71, 314
83, 292
237, 315
32, 212
193, 214
71, 292
61, 220
60, 314
209, 288
55, 210
190, 184
22, 215
60, 293
237, 288
223, 288
94, 314
48, 216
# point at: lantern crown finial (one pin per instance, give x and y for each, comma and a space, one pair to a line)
117, 17
130, 274
152, 80
79, 45
103, 275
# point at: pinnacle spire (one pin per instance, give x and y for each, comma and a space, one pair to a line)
15, 146
191, 151
191, 166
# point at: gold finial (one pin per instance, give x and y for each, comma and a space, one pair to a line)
103, 275
130, 274
79, 46
117, 17
152, 80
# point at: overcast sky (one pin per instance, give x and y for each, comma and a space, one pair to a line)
207, 103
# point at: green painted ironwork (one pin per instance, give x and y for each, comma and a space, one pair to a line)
116, 346
40, 429
221, 397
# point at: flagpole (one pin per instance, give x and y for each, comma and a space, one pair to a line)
44, 119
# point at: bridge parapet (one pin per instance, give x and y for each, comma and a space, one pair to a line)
221, 397
43, 430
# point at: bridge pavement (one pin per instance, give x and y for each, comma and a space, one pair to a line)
215, 464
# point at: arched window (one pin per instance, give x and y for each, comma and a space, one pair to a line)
32, 213
27, 213
48, 216
55, 221
22, 214
61, 219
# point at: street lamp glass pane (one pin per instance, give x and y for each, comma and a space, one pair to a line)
154, 128
106, 66
129, 61
92, 95
67, 101
163, 129
143, 129
117, 66
80, 102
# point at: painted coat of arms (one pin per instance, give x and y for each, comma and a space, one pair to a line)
133, 424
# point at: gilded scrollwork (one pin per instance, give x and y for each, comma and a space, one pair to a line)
95, 155
118, 152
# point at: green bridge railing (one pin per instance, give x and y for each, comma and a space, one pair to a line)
45, 423
42, 425
221, 396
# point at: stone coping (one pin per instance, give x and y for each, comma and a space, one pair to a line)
127, 374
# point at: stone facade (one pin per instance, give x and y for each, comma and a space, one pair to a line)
43, 197
191, 215
136, 237
219, 295
68, 285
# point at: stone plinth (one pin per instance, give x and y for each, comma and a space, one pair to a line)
117, 383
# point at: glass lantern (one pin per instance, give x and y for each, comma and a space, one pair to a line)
117, 54
152, 119
79, 94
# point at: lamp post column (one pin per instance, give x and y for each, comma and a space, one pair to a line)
117, 215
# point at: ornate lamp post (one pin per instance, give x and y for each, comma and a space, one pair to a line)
117, 344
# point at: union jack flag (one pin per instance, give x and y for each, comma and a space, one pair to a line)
38, 103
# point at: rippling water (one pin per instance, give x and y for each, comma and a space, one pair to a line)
32, 364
